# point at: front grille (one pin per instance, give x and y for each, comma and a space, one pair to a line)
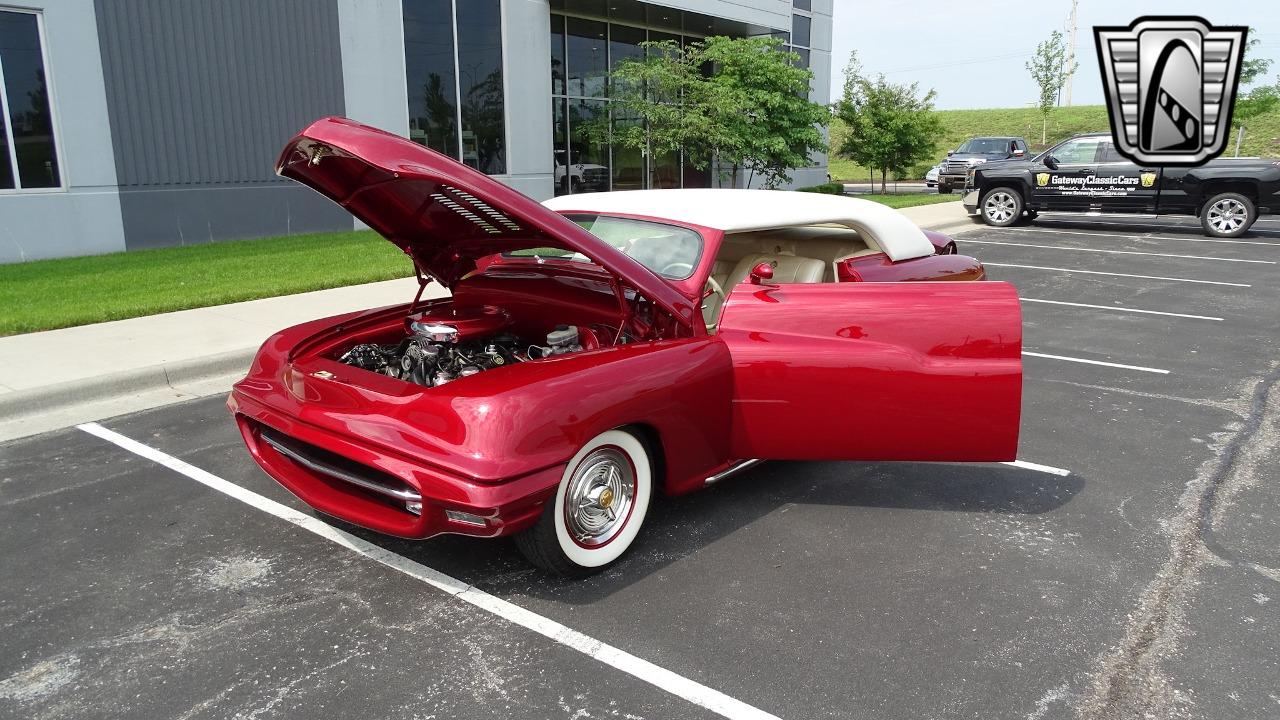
337, 467
956, 167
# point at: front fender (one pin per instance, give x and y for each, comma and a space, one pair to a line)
522, 418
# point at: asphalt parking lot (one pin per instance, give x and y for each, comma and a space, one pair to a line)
1132, 571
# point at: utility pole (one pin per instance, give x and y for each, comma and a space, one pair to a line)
1071, 54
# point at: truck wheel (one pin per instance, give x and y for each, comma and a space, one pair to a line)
1001, 207
1227, 215
597, 510
944, 189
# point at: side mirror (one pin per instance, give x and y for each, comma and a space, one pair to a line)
950, 153
762, 272
1050, 162
1018, 153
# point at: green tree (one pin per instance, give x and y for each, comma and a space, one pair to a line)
1048, 67
889, 127
739, 102
1260, 100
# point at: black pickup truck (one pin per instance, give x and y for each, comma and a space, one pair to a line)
1085, 175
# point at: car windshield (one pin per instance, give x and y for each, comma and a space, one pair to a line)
985, 146
668, 250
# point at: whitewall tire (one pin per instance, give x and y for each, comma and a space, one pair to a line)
598, 509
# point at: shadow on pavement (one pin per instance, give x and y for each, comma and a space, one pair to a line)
679, 527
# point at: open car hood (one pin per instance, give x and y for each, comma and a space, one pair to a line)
442, 213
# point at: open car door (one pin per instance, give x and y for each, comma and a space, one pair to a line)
875, 371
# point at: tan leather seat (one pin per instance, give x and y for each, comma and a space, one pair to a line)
786, 269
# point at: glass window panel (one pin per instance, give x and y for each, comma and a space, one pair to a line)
1107, 153
669, 250
588, 169
624, 42
588, 57
28, 95
632, 12
804, 57
484, 129
6, 170
657, 36
429, 73
560, 143
628, 163
1078, 152
800, 27
803, 4
557, 54
693, 177
664, 170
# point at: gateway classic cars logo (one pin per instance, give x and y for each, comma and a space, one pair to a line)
1089, 185
1171, 86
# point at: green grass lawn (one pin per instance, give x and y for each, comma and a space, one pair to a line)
1262, 138
905, 200
48, 294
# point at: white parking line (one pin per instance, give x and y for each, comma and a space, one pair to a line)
1120, 252
677, 685
1027, 353
1038, 230
1099, 272
1038, 467
1118, 308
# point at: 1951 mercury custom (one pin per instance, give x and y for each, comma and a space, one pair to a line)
590, 358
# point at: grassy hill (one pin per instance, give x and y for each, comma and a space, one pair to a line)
1262, 138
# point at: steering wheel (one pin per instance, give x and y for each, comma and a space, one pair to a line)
677, 270
715, 290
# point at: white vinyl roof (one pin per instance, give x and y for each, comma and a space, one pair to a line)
743, 210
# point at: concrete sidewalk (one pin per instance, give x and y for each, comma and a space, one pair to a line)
57, 378
62, 377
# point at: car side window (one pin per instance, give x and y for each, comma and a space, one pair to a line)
1107, 153
1080, 151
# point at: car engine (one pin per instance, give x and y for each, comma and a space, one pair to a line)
441, 349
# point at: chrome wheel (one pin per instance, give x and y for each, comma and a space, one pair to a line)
1000, 207
598, 509
599, 497
1227, 215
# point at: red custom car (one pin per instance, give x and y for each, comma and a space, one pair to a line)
553, 394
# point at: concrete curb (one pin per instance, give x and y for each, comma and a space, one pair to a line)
138, 380
38, 410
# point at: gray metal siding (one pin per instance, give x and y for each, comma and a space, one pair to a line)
208, 92
202, 95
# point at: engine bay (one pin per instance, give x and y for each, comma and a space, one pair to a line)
445, 344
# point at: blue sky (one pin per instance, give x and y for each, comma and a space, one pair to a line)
974, 53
